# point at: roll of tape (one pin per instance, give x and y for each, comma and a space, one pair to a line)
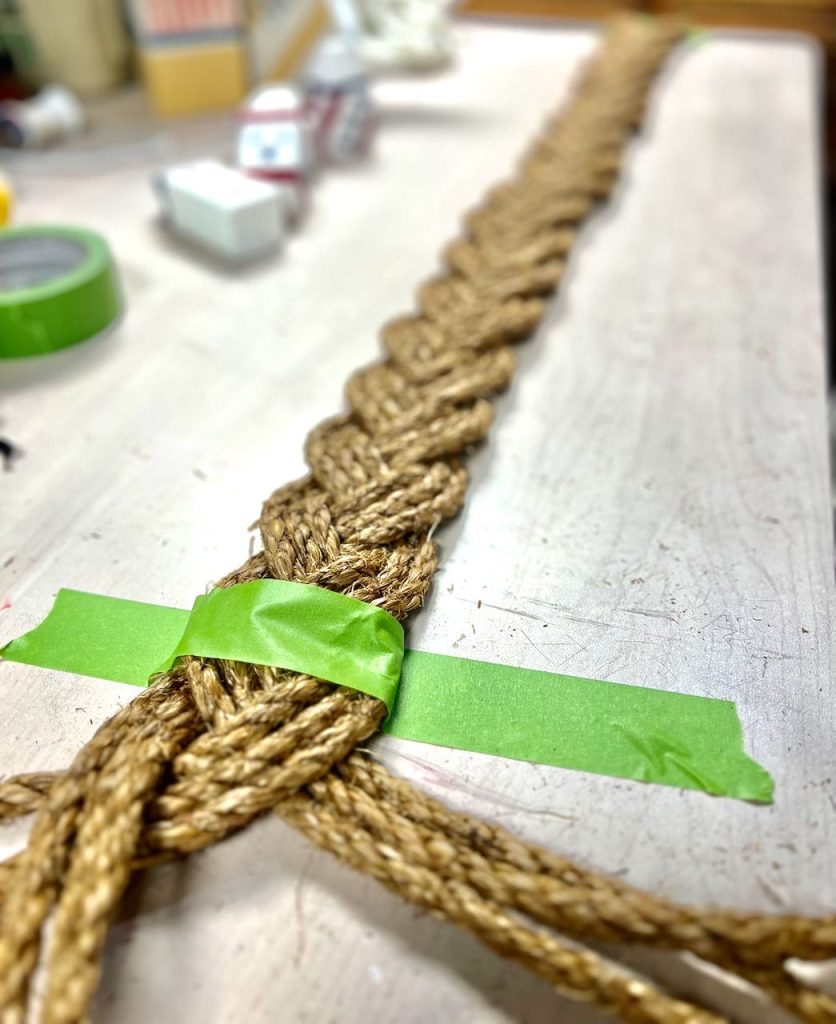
58, 286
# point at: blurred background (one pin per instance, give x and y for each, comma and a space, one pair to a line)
110, 69
192, 56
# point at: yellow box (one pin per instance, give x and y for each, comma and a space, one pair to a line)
193, 78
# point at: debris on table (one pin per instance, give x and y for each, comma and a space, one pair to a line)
8, 453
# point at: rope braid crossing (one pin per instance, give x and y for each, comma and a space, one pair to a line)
215, 743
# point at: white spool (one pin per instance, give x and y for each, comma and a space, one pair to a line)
53, 114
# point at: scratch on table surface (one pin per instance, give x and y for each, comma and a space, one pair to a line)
563, 613
579, 649
602, 670
652, 614
455, 783
299, 908
539, 650
728, 624
498, 607
771, 891
764, 572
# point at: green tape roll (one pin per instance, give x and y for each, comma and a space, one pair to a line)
58, 286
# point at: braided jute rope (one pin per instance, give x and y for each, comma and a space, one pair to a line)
215, 743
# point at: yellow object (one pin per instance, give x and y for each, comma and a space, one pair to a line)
187, 71
192, 78
6, 197
316, 22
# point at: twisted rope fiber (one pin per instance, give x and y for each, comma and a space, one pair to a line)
214, 743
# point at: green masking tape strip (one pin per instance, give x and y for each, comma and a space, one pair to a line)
589, 725
608, 728
58, 286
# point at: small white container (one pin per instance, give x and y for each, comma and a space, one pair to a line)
222, 209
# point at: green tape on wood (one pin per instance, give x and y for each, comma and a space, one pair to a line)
590, 725
586, 724
103, 637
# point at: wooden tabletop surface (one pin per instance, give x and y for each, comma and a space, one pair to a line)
652, 507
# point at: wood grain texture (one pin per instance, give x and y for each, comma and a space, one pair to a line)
652, 507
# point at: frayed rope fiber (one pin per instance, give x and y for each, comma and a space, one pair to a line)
214, 744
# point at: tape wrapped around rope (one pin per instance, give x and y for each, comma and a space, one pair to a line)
631, 732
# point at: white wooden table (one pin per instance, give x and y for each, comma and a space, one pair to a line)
652, 507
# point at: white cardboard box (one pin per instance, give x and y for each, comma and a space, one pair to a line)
222, 209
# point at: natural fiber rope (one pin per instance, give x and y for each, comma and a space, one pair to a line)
215, 743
